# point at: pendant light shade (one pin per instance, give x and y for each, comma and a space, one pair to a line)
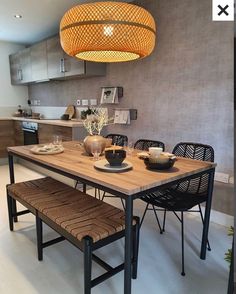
108, 32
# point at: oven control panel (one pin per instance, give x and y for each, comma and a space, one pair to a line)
28, 125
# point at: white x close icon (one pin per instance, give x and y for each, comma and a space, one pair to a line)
222, 10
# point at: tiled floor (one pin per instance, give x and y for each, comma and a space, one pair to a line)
61, 271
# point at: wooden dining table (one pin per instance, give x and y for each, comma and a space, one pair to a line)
129, 185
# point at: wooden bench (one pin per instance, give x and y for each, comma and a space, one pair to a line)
86, 222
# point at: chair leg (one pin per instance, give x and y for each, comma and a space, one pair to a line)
158, 222
182, 241
39, 232
208, 243
135, 248
104, 195
96, 192
87, 265
122, 201
145, 211
9, 205
164, 221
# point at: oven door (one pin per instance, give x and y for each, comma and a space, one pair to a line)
30, 136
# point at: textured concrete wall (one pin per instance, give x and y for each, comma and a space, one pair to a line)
183, 91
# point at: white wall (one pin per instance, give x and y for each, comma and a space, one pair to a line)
10, 96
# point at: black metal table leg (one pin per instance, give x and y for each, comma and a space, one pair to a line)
128, 244
207, 215
12, 180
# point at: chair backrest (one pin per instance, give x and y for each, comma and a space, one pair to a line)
196, 151
144, 144
117, 139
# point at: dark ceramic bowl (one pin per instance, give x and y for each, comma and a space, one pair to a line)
158, 165
115, 157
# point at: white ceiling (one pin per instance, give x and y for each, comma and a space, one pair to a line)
40, 18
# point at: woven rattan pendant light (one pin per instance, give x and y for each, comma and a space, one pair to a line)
108, 32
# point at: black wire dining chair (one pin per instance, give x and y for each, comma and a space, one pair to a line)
118, 139
186, 194
144, 144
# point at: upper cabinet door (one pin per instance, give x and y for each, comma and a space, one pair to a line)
60, 64
55, 58
25, 66
38, 54
73, 66
14, 68
20, 67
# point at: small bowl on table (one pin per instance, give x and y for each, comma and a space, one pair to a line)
115, 157
160, 163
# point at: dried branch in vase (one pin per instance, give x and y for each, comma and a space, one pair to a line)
95, 122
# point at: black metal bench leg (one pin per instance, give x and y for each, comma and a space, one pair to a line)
182, 241
9, 205
87, 264
14, 209
12, 180
39, 231
135, 248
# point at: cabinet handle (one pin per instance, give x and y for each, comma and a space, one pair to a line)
62, 65
19, 74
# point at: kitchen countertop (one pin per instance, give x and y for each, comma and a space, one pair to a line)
55, 122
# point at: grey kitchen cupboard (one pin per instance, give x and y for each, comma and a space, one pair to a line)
46, 61
38, 54
63, 66
55, 58
20, 67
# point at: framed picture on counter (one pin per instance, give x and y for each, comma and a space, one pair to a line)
109, 95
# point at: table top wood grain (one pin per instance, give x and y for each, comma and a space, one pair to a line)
75, 162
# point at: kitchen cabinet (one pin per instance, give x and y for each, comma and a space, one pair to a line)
18, 133
38, 54
6, 136
55, 58
46, 132
61, 65
47, 60
20, 67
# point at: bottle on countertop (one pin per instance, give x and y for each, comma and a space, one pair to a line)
19, 110
29, 112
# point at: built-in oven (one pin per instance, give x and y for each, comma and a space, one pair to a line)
30, 131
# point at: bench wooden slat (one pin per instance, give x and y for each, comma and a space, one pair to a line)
76, 212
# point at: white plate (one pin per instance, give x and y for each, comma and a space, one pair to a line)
105, 166
47, 150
